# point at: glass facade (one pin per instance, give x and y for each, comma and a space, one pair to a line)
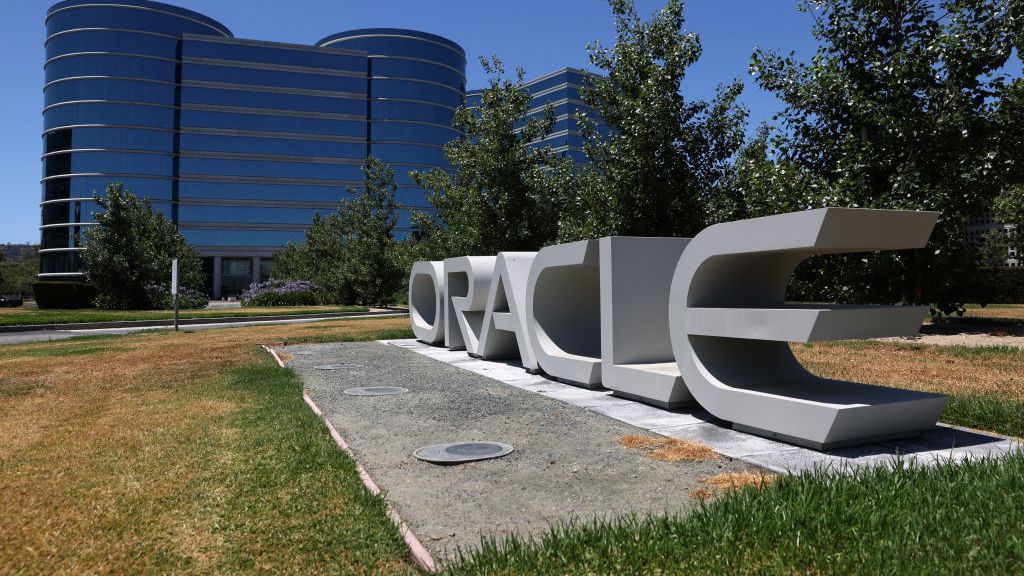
560, 89
240, 141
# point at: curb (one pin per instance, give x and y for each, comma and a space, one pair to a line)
187, 322
419, 553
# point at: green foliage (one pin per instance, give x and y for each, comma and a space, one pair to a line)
269, 299
898, 109
1009, 209
955, 518
665, 154
131, 247
501, 194
16, 278
57, 295
376, 266
160, 297
321, 259
351, 255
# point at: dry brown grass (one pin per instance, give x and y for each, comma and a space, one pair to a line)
949, 370
102, 438
1006, 311
731, 482
669, 449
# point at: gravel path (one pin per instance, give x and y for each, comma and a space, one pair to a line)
567, 463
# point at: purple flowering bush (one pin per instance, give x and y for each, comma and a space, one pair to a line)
280, 293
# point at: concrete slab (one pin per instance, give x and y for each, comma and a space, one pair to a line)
567, 464
652, 418
725, 441
934, 445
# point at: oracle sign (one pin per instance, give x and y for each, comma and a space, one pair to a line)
675, 322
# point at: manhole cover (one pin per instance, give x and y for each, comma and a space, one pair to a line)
462, 452
376, 391
339, 366
306, 353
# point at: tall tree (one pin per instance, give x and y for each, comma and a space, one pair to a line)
351, 255
664, 153
896, 110
374, 259
497, 195
320, 258
128, 253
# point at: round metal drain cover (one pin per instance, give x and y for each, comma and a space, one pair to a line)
376, 391
339, 366
306, 353
460, 452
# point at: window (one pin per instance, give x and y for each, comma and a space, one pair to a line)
122, 66
395, 68
270, 123
329, 59
411, 47
128, 18
111, 41
108, 113
281, 78
108, 89
279, 146
412, 90
290, 102
411, 111
266, 268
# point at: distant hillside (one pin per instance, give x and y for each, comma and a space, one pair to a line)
17, 252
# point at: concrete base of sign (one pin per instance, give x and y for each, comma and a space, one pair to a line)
930, 445
665, 405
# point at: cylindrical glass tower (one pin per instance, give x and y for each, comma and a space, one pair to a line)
111, 100
416, 82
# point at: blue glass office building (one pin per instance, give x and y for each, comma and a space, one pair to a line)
239, 141
560, 89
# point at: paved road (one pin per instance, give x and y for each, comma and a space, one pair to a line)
46, 335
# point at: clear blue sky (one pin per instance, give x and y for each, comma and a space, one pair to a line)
538, 35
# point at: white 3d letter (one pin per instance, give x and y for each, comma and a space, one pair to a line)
730, 328
467, 279
636, 349
426, 301
563, 301
504, 333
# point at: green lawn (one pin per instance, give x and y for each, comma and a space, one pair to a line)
954, 519
122, 456
27, 316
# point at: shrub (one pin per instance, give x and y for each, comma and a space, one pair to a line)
281, 293
160, 298
132, 246
64, 295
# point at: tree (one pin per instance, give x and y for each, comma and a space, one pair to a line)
375, 264
896, 110
498, 195
128, 253
18, 275
351, 254
664, 153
